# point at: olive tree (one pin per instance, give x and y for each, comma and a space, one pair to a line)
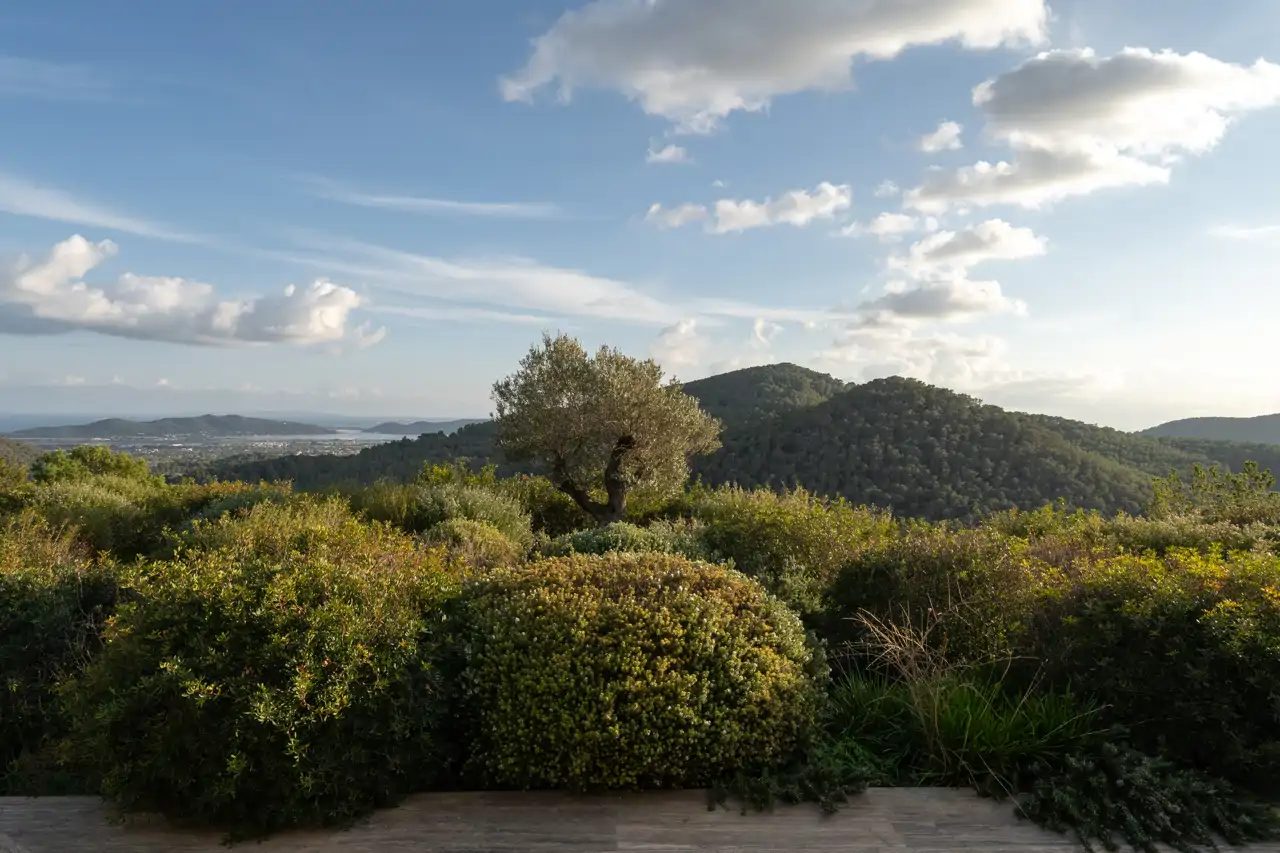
604, 424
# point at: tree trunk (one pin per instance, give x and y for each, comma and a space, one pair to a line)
614, 507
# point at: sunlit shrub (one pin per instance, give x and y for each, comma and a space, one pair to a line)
660, 537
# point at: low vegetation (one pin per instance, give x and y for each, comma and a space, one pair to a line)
254, 656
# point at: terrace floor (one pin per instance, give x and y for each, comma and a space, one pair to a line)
884, 819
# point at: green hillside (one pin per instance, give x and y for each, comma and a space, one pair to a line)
895, 442
1264, 429
204, 425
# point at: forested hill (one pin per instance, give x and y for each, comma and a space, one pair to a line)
1264, 429
17, 452
204, 425
894, 442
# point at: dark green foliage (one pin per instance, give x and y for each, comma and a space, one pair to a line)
1183, 648
53, 601
631, 670
792, 543
921, 451
1114, 793
679, 538
278, 674
754, 393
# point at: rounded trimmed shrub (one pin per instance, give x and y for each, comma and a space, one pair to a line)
631, 670
658, 538
279, 672
53, 601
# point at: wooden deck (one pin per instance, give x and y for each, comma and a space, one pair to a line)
885, 819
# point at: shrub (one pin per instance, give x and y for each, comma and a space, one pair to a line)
1184, 649
793, 543
418, 508
1114, 790
973, 589
475, 543
657, 538
87, 461
52, 605
106, 512
631, 670
551, 511
279, 674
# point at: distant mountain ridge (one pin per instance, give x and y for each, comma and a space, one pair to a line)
1263, 429
898, 443
206, 425
417, 428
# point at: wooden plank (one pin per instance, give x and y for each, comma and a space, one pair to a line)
905, 820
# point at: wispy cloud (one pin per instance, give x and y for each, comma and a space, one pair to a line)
23, 198
335, 191
1256, 232
38, 78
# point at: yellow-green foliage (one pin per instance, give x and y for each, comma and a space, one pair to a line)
277, 673
418, 508
475, 543
631, 670
52, 603
81, 463
794, 543
660, 537
1184, 648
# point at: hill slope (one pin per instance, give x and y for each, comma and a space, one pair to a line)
417, 428
922, 451
205, 425
895, 442
17, 453
1264, 429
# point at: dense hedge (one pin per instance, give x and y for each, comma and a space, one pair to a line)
279, 672
53, 601
631, 670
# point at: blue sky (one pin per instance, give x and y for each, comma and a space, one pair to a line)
377, 208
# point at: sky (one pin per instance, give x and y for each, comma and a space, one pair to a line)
377, 208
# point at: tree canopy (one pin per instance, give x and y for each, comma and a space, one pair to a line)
604, 424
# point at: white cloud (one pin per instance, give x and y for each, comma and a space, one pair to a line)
1237, 232
680, 61
1078, 123
38, 78
679, 345
954, 298
334, 191
873, 350
945, 138
669, 154
23, 198
887, 189
947, 253
763, 332
676, 217
797, 208
892, 227
1033, 180
51, 296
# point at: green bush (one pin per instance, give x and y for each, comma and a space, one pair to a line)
477, 544
793, 543
974, 589
106, 513
1113, 790
87, 461
418, 508
551, 511
1183, 648
658, 538
277, 673
631, 670
52, 605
